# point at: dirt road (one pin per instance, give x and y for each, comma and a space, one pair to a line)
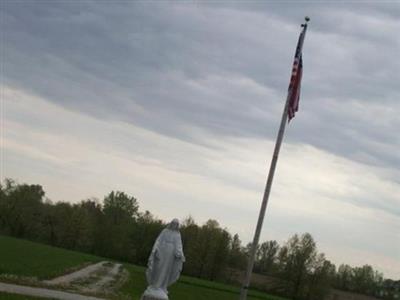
99, 278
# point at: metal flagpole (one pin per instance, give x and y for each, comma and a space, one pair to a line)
249, 271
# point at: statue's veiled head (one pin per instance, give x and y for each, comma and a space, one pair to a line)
174, 225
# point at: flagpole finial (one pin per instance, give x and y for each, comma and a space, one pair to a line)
307, 18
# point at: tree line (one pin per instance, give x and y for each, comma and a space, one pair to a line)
117, 229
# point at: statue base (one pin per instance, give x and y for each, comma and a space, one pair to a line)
152, 293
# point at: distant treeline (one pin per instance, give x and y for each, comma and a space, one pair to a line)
117, 229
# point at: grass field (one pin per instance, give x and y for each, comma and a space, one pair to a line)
24, 258
188, 288
6, 296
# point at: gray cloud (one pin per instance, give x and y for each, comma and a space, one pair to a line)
222, 67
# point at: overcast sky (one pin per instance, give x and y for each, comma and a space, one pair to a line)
178, 104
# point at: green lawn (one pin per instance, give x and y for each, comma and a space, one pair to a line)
187, 288
6, 296
25, 258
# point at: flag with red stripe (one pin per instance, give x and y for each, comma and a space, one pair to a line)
295, 79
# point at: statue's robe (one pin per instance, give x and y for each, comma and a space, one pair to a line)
166, 260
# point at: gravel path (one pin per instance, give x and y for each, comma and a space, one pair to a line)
96, 278
44, 293
82, 273
106, 279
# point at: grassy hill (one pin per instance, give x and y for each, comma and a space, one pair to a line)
189, 288
25, 258
7, 296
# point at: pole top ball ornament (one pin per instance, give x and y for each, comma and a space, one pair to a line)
307, 19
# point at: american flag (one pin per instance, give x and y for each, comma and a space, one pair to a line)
295, 79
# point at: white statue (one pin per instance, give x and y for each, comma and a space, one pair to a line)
165, 262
